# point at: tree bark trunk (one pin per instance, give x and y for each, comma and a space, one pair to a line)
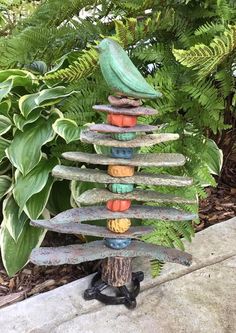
117, 271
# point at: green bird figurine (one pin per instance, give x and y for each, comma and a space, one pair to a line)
120, 73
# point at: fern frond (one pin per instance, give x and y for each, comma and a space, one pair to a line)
156, 267
211, 28
83, 67
205, 58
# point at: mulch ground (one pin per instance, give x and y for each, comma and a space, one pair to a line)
220, 205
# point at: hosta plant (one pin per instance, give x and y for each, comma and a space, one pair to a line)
32, 129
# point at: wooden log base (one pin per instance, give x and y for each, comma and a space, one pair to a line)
117, 271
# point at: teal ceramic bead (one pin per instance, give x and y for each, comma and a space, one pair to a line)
124, 136
117, 243
121, 188
119, 152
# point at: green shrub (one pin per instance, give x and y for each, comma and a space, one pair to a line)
185, 49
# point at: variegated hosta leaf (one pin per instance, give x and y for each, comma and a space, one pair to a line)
20, 121
36, 204
34, 182
24, 151
16, 254
5, 88
5, 184
12, 220
5, 107
5, 124
3, 146
46, 97
213, 157
19, 77
67, 129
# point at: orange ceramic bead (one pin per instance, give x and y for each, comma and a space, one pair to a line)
121, 120
118, 205
120, 170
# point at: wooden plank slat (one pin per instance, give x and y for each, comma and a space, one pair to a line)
131, 111
100, 176
145, 160
75, 254
106, 128
98, 195
91, 230
145, 140
93, 213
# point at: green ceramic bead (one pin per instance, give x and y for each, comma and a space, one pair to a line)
121, 188
124, 136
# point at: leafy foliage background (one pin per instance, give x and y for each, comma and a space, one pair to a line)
186, 49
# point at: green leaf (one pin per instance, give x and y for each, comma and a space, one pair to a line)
25, 150
5, 184
5, 88
11, 219
5, 124
28, 103
67, 129
59, 199
213, 157
33, 182
16, 254
5, 165
36, 204
3, 146
5, 107
19, 77
20, 121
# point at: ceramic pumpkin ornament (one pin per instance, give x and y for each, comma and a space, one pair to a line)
118, 205
121, 120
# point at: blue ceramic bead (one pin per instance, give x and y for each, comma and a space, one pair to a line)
119, 152
117, 243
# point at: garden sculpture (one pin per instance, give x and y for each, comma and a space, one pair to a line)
120, 240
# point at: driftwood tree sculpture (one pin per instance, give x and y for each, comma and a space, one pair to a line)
121, 240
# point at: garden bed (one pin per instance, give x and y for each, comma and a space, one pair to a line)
220, 205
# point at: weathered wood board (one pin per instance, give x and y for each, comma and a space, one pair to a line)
98, 195
93, 213
145, 140
106, 128
145, 160
100, 176
132, 111
75, 254
91, 230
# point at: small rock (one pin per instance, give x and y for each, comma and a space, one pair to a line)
124, 101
